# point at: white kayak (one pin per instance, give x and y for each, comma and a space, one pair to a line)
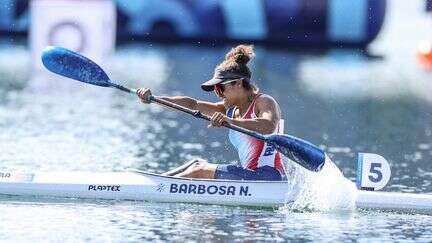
138, 185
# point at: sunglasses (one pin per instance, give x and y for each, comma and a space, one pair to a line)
219, 88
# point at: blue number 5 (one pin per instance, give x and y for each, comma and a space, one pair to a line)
375, 169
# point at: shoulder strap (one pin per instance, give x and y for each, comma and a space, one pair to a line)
251, 109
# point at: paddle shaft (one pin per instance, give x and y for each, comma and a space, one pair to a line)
198, 114
195, 113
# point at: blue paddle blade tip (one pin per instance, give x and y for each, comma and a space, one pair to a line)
300, 151
70, 64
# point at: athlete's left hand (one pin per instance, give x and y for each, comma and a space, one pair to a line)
218, 119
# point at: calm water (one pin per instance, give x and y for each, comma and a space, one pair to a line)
339, 99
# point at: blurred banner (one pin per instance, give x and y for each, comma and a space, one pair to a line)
316, 23
87, 27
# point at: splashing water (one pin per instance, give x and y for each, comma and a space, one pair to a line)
319, 191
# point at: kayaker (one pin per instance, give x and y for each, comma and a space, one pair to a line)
243, 105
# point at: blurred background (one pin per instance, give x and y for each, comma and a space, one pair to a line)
350, 76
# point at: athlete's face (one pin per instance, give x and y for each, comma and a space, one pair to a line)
228, 92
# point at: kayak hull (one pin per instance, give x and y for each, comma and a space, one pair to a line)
138, 185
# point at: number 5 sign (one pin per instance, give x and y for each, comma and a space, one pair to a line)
373, 171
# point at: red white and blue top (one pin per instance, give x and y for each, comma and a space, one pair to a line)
254, 153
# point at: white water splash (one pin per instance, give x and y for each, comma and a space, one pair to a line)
319, 191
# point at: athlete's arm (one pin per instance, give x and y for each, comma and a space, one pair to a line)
206, 108
267, 112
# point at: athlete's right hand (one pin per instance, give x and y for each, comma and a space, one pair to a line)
144, 94
218, 119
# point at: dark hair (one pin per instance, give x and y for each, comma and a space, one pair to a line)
236, 60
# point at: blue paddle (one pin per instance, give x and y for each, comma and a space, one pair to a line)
75, 66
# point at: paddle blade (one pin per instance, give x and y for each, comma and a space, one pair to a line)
300, 151
73, 65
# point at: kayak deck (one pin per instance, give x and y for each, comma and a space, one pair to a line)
139, 185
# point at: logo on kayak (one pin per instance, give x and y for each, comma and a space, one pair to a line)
208, 189
107, 188
160, 187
